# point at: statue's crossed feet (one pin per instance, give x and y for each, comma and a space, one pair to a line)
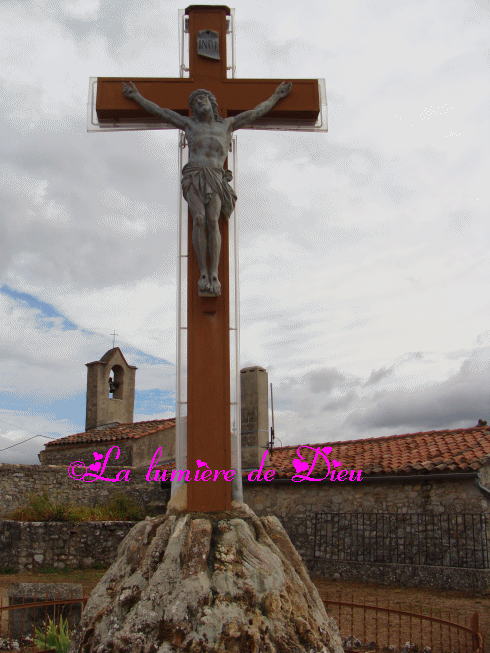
215, 285
204, 285
209, 287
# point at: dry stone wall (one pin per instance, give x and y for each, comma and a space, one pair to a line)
295, 504
59, 545
17, 482
66, 455
307, 498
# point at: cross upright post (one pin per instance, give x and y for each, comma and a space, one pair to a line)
208, 317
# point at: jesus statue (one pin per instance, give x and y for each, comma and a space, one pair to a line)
204, 180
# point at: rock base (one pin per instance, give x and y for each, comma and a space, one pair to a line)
198, 583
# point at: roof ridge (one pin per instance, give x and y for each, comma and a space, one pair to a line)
384, 437
70, 439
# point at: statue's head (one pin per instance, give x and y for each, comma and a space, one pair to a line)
211, 98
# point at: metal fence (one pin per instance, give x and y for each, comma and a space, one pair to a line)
442, 540
363, 627
391, 629
24, 618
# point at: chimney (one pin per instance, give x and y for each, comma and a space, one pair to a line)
255, 415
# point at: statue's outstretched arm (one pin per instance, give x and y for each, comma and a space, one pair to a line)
246, 117
175, 119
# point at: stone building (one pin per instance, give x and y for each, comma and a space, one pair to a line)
137, 443
109, 420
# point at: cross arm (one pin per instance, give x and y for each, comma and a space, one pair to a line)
175, 119
112, 105
234, 96
246, 117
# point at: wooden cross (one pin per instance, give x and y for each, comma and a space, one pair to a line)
208, 344
114, 338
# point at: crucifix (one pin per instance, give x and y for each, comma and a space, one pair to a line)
219, 105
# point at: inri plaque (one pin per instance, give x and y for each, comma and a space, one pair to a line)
208, 44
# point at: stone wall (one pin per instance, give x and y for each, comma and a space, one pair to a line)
17, 482
473, 581
295, 504
144, 448
59, 545
70, 453
295, 500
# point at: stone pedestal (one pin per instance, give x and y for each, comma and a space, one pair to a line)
206, 582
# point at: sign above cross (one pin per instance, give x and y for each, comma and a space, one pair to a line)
219, 105
304, 109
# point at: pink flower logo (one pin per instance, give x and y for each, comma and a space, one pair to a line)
301, 465
96, 466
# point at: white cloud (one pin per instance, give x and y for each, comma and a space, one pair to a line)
356, 246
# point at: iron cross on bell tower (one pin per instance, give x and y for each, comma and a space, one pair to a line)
204, 432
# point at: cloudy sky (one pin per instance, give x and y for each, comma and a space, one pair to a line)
363, 252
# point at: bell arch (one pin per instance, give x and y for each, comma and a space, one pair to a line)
116, 388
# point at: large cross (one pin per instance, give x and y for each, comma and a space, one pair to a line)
208, 318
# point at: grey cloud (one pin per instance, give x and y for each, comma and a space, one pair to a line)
463, 399
459, 220
258, 211
378, 375
326, 380
92, 245
274, 53
340, 403
121, 23
395, 191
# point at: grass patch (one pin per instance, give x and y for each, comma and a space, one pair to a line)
122, 507
54, 635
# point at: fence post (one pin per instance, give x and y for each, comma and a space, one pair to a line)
474, 625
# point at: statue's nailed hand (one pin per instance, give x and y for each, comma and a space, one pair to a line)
283, 89
131, 92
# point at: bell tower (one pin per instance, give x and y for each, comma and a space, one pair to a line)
110, 390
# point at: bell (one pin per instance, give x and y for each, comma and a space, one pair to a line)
112, 386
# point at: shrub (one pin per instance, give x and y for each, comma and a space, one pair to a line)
55, 636
122, 507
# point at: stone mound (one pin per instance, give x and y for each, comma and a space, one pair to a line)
201, 583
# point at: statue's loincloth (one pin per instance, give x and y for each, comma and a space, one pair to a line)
207, 181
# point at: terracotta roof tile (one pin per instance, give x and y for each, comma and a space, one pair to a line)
412, 453
455, 450
113, 433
